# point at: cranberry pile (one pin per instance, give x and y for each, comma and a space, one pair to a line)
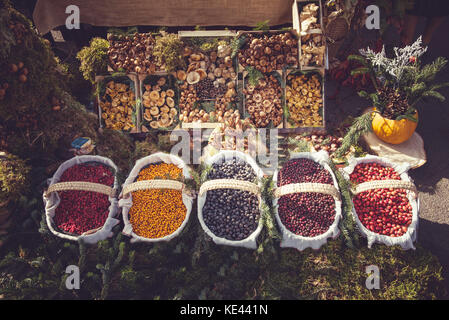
229, 213
81, 211
385, 211
306, 214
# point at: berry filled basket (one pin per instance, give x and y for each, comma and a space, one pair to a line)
385, 201
229, 202
307, 182
80, 202
155, 203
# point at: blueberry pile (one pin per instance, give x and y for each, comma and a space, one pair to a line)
307, 214
229, 213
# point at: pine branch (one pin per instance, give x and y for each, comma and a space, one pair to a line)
434, 94
298, 145
236, 44
359, 127
347, 224
254, 75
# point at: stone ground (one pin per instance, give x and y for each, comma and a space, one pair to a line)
432, 179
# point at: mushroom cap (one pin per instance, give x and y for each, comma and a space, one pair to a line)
154, 95
170, 102
193, 77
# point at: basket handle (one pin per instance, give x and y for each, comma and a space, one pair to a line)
229, 184
387, 184
151, 184
81, 186
307, 187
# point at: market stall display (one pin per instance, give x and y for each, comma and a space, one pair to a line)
155, 204
80, 202
229, 202
385, 201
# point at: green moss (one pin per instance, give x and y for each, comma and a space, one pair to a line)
13, 177
168, 52
94, 59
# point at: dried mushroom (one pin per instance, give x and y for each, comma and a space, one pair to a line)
263, 102
308, 18
304, 100
117, 105
159, 104
268, 53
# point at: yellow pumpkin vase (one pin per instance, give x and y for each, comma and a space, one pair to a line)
393, 131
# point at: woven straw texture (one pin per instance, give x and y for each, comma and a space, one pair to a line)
380, 184
229, 184
81, 186
307, 187
153, 184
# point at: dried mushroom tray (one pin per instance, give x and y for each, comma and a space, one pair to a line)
261, 101
307, 15
268, 56
132, 54
307, 21
209, 82
117, 101
304, 101
159, 102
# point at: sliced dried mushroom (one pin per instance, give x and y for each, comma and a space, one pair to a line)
170, 102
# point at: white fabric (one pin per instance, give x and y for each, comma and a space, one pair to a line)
251, 241
52, 202
291, 240
407, 239
127, 203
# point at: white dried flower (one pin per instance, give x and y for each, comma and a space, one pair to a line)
395, 66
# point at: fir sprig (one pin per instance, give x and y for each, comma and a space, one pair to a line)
359, 127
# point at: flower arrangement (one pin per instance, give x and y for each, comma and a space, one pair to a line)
400, 82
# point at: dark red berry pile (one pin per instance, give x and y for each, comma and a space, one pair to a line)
81, 211
306, 214
384, 211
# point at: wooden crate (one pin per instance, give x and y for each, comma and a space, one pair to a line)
289, 128
296, 9
244, 111
171, 84
112, 70
292, 31
133, 82
221, 34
